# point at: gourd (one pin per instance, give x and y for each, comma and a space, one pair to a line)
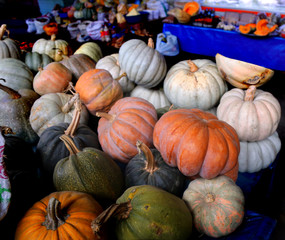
128, 120
98, 90
60, 215
111, 64
192, 8
148, 168
147, 212
35, 60
247, 28
88, 170
180, 15
91, 49
51, 28
258, 155
53, 78
217, 205
253, 113
143, 64
197, 142
242, 74
194, 84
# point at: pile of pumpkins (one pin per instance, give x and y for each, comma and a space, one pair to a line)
115, 155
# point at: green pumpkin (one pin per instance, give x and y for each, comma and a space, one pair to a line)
35, 60
91, 49
90, 170
149, 168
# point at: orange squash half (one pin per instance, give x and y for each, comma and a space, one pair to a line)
192, 8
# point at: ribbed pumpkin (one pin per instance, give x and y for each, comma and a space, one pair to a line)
54, 108
111, 64
88, 170
60, 215
255, 156
197, 143
194, 84
253, 113
242, 74
91, 49
53, 78
142, 63
51, 28
51, 47
148, 168
217, 205
98, 90
15, 109
128, 120
35, 60
8, 47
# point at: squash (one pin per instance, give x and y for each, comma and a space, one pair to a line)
148, 168
180, 15
143, 64
247, 28
128, 120
194, 84
35, 60
254, 113
8, 47
53, 78
242, 74
261, 28
98, 90
217, 205
147, 212
111, 64
91, 49
192, 8
51, 28
60, 215
197, 142
89, 170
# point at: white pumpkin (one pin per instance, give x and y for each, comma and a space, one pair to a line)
194, 84
91, 49
156, 97
258, 155
142, 63
254, 113
111, 64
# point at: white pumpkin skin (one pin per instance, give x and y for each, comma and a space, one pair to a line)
254, 120
142, 63
91, 49
187, 88
111, 64
255, 156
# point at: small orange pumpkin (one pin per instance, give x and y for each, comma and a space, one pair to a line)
51, 28
192, 8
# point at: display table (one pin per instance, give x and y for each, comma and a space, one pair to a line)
264, 51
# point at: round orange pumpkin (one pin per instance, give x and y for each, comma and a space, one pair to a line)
197, 143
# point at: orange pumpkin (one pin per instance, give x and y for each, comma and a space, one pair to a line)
51, 28
197, 143
60, 215
192, 8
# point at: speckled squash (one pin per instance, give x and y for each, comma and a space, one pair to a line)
91, 49
35, 60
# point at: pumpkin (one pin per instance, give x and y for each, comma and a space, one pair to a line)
253, 113
54, 108
8, 47
261, 28
60, 215
51, 28
53, 78
242, 74
35, 60
197, 142
111, 64
192, 8
148, 168
51, 47
217, 205
128, 120
15, 110
147, 212
89, 170
194, 84
247, 28
142, 63
91, 49
258, 155
180, 15
98, 90
156, 97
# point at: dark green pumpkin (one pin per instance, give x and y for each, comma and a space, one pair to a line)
90, 170
35, 60
148, 212
149, 168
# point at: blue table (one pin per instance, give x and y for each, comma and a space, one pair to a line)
264, 51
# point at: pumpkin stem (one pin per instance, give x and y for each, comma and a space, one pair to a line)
70, 88
3, 30
170, 108
75, 120
68, 142
150, 162
6, 130
54, 217
13, 94
60, 53
193, 67
150, 43
108, 116
120, 211
210, 197
53, 37
249, 93
122, 75
66, 108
